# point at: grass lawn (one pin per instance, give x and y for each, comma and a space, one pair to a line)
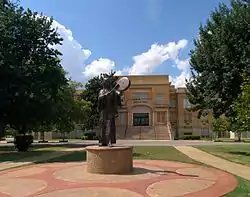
161, 153
8, 154
242, 190
140, 152
235, 153
246, 140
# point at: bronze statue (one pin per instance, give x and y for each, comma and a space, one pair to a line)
109, 100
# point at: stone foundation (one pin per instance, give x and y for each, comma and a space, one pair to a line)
110, 160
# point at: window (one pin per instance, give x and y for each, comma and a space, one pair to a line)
159, 99
188, 133
188, 117
172, 103
140, 119
186, 104
161, 117
140, 95
172, 116
158, 116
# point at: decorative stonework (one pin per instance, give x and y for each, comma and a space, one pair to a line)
17, 187
109, 160
177, 187
79, 174
96, 192
150, 178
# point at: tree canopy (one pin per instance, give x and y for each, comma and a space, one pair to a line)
241, 120
30, 70
220, 125
68, 110
220, 55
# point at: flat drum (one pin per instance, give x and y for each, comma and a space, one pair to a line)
124, 83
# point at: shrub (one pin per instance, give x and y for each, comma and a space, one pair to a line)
96, 138
84, 137
190, 137
22, 142
89, 136
43, 141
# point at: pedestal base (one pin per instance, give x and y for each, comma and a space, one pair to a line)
109, 160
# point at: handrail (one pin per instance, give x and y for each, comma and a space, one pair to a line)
169, 130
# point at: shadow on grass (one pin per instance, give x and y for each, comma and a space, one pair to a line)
78, 156
10, 147
137, 154
244, 153
35, 156
36, 153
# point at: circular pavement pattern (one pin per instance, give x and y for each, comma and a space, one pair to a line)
150, 178
80, 174
95, 192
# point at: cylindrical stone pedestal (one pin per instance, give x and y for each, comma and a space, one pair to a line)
109, 160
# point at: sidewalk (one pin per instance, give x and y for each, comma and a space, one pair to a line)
203, 157
30, 160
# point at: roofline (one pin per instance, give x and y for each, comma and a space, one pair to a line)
143, 75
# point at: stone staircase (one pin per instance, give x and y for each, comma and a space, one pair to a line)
148, 133
135, 133
162, 133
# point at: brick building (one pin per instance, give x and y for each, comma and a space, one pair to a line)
154, 109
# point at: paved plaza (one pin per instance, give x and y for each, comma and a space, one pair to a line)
150, 178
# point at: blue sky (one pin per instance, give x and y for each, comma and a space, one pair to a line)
130, 36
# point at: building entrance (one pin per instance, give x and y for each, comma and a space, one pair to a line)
140, 119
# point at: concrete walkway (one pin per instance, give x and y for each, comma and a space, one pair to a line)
30, 160
203, 157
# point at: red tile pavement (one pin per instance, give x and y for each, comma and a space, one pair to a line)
150, 178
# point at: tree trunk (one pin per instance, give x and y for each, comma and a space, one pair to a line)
215, 135
2, 127
23, 130
42, 136
239, 137
63, 136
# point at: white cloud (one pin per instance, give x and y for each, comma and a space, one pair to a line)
74, 55
102, 65
183, 66
146, 62
74, 58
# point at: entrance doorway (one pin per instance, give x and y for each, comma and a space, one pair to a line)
140, 119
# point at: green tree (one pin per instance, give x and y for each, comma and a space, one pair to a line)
30, 71
220, 125
42, 128
90, 93
241, 120
69, 110
219, 58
